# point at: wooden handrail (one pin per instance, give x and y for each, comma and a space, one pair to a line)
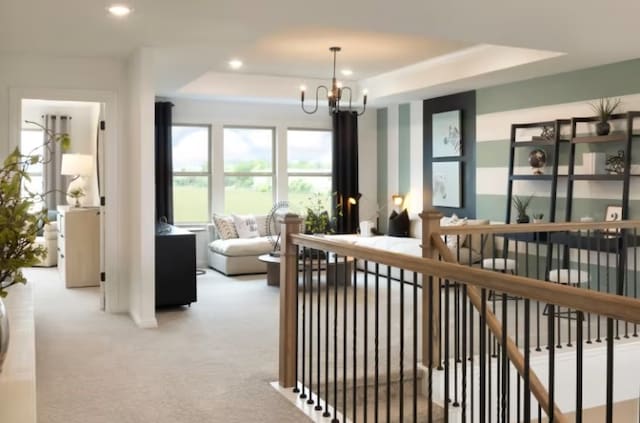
514, 354
503, 228
608, 305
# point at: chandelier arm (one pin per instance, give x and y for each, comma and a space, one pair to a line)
315, 109
348, 89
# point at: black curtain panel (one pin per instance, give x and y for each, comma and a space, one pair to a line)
345, 171
164, 168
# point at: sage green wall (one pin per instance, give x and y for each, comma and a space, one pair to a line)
382, 167
404, 148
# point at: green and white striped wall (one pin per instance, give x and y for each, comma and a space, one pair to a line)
400, 164
554, 97
400, 158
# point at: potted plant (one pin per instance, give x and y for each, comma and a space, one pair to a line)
19, 224
521, 206
76, 194
604, 108
537, 217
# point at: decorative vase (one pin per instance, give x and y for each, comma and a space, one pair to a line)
537, 161
4, 333
523, 219
537, 220
603, 128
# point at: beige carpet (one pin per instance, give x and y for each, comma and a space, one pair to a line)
209, 363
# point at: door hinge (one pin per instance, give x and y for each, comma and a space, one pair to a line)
103, 276
103, 201
103, 125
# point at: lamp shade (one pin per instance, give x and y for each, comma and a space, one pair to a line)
76, 164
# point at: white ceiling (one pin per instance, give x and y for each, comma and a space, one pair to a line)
390, 44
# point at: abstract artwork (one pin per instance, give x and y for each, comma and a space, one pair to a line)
446, 136
446, 184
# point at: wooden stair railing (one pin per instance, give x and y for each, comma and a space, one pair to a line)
514, 354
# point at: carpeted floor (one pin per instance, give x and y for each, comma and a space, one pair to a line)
209, 363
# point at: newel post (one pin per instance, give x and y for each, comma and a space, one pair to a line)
289, 225
430, 312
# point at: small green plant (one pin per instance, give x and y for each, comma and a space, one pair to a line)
521, 205
538, 216
317, 219
76, 194
605, 107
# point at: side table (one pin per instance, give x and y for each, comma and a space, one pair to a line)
273, 269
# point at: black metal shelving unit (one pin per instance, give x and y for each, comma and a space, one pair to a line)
608, 243
552, 144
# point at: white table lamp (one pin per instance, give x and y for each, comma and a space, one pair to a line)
78, 166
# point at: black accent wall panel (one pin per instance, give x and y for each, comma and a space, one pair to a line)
466, 103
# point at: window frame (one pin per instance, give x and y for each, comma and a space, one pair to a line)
208, 173
272, 174
308, 174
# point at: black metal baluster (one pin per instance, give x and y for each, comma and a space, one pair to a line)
377, 345
504, 363
456, 342
355, 340
552, 357
589, 251
318, 406
489, 371
471, 372
635, 275
365, 364
388, 409
538, 302
335, 339
447, 376
463, 393
401, 405
415, 349
303, 395
579, 380
559, 312
527, 363
598, 339
295, 388
326, 413
482, 332
430, 362
345, 280
310, 399
620, 260
609, 405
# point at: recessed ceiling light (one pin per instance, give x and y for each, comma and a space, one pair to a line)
347, 72
119, 10
235, 64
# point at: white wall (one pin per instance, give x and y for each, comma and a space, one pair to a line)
102, 80
139, 171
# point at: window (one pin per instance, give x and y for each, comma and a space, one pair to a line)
309, 160
191, 173
248, 170
31, 143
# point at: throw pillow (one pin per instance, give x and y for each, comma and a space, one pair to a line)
399, 224
452, 240
246, 226
225, 227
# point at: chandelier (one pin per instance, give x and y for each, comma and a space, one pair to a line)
335, 94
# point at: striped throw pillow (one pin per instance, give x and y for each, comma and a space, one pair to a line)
225, 227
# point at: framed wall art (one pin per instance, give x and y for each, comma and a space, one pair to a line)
446, 134
447, 190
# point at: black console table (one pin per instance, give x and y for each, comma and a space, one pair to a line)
175, 266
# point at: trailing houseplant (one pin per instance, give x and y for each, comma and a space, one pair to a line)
19, 223
604, 108
521, 205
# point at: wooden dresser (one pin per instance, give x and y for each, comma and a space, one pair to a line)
79, 247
